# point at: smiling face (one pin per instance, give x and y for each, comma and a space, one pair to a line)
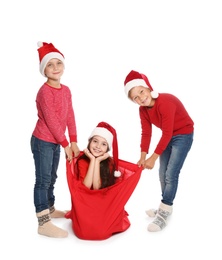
98, 146
54, 69
142, 96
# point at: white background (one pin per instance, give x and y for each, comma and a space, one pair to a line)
177, 44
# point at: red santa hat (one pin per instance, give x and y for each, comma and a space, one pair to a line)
47, 51
106, 131
135, 79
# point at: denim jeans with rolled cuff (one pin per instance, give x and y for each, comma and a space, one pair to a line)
46, 157
171, 163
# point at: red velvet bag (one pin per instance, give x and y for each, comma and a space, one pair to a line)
99, 214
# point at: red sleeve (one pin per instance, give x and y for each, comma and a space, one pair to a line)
71, 122
82, 167
146, 130
167, 115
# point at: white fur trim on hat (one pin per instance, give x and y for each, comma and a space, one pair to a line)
134, 83
47, 58
103, 132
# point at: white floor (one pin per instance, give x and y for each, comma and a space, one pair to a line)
193, 231
178, 45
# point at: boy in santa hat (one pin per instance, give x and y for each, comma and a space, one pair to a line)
55, 116
166, 112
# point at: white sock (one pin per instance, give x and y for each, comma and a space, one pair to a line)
151, 212
160, 220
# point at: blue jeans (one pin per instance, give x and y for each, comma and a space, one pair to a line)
46, 157
171, 163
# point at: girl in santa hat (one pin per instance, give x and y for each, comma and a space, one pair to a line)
166, 112
55, 115
96, 169
100, 185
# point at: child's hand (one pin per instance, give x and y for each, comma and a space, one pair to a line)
75, 149
102, 157
141, 163
88, 154
68, 152
149, 163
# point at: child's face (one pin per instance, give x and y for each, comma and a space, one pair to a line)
141, 95
54, 69
98, 146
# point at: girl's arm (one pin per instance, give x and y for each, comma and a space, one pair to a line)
96, 182
88, 180
96, 175
92, 178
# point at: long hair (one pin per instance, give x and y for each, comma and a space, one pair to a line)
107, 169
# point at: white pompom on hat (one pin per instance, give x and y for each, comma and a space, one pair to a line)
106, 131
135, 79
47, 51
